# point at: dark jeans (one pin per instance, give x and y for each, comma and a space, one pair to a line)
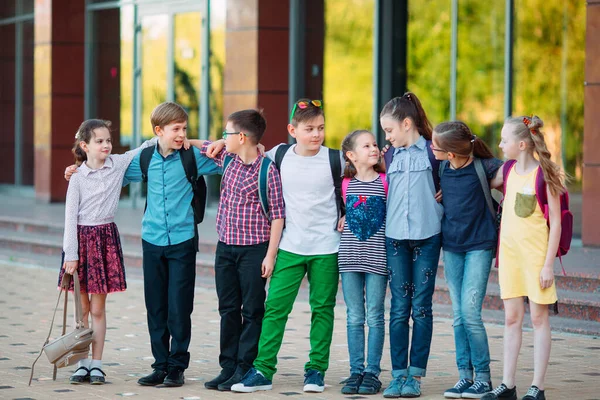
169, 280
241, 293
412, 269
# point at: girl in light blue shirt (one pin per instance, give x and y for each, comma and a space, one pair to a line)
413, 240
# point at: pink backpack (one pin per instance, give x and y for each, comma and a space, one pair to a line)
566, 217
346, 182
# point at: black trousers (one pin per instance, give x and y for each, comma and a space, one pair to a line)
241, 293
169, 280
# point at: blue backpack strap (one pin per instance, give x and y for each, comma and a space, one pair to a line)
435, 166
280, 153
263, 184
443, 165
484, 185
226, 162
387, 157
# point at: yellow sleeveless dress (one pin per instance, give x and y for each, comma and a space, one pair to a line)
523, 241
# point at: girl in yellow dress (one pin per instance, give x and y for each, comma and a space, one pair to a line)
527, 250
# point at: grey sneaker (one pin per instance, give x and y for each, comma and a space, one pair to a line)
477, 390
411, 388
394, 390
458, 389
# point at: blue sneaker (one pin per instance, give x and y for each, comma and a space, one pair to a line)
313, 381
394, 390
458, 389
477, 390
411, 388
253, 381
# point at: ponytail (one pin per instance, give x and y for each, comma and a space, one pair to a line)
528, 130
408, 106
456, 137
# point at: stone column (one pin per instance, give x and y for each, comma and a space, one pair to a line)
58, 91
591, 137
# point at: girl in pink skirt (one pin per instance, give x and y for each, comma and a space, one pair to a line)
91, 245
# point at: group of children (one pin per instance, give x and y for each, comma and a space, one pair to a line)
304, 209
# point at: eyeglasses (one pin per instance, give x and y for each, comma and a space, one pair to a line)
225, 134
436, 149
303, 104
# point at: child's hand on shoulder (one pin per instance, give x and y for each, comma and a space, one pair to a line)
267, 266
70, 267
215, 148
341, 222
186, 144
70, 170
547, 276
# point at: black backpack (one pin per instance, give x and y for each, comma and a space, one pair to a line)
336, 173
188, 159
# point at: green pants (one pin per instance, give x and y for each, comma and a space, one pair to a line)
323, 278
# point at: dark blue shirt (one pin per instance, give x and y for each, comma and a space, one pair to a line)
467, 224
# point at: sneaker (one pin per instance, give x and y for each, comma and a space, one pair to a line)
313, 381
394, 390
253, 381
411, 388
534, 393
501, 392
352, 384
458, 389
370, 384
477, 390
235, 378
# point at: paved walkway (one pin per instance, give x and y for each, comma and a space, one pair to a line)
28, 295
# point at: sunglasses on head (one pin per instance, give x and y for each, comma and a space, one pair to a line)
303, 104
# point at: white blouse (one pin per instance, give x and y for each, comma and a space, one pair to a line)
93, 196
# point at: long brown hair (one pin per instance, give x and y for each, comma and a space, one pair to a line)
408, 106
528, 130
349, 144
85, 133
456, 137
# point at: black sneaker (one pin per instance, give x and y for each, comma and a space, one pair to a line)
235, 378
501, 392
352, 384
477, 390
175, 377
370, 384
157, 377
458, 389
534, 393
223, 376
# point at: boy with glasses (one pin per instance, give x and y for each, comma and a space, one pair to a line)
249, 224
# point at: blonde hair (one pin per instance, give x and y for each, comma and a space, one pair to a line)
166, 113
528, 130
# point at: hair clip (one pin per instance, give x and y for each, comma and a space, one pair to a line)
527, 122
473, 137
76, 133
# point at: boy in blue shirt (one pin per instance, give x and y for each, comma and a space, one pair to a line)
169, 242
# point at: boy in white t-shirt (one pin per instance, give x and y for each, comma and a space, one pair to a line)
309, 246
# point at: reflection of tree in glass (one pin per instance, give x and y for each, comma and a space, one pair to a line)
187, 95
216, 96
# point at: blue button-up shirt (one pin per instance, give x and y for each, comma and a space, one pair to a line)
169, 218
412, 212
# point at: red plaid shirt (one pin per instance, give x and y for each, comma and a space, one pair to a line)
240, 218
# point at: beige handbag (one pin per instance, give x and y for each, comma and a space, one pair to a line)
69, 348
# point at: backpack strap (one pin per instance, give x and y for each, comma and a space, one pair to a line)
540, 191
435, 166
280, 153
226, 161
145, 158
506, 168
384, 181
263, 184
387, 157
442, 168
484, 185
345, 183
336, 172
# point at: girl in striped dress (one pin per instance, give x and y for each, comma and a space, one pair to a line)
362, 259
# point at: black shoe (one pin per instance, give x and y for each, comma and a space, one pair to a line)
175, 377
370, 384
223, 376
534, 393
501, 392
235, 378
96, 379
352, 384
78, 379
155, 378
